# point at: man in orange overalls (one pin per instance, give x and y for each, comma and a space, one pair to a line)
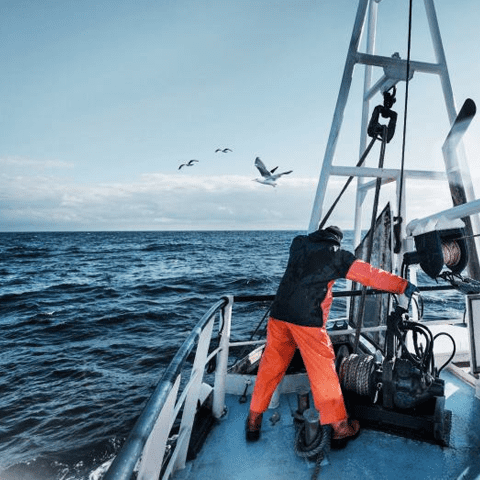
298, 318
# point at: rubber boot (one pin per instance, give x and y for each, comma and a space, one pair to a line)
253, 426
343, 432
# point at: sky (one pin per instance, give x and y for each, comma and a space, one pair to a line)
101, 101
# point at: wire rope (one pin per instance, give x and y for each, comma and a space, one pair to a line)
405, 113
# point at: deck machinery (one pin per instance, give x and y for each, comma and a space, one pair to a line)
400, 393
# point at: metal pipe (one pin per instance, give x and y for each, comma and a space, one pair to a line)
381, 61
453, 213
342, 293
360, 195
312, 425
386, 173
220, 377
474, 268
338, 115
441, 59
456, 180
303, 399
191, 402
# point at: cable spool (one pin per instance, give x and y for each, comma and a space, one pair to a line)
452, 253
356, 374
438, 249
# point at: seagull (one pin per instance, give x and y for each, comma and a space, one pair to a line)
267, 176
188, 164
224, 150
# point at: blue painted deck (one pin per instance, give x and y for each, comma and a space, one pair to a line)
373, 455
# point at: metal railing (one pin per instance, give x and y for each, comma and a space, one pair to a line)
145, 447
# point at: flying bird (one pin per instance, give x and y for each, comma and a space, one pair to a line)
224, 150
188, 164
268, 178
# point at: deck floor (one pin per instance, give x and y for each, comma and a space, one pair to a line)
373, 455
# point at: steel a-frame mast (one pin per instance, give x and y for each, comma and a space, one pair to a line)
395, 70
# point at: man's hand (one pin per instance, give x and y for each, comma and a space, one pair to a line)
410, 290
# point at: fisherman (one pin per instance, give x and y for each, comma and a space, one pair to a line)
298, 318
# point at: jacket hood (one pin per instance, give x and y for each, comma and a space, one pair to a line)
330, 234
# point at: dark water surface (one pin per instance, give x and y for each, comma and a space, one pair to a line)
90, 320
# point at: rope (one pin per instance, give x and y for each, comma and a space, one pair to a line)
465, 285
407, 82
451, 253
261, 321
359, 164
246, 348
370, 237
356, 374
317, 449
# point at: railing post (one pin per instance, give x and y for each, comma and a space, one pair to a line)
222, 361
190, 407
154, 451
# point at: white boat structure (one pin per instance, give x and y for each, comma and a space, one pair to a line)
413, 385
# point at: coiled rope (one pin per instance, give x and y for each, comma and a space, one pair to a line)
356, 374
452, 253
316, 450
466, 285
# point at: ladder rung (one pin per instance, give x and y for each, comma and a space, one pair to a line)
389, 173
381, 61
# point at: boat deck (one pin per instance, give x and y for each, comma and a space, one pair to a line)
373, 455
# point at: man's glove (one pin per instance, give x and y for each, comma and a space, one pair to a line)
410, 290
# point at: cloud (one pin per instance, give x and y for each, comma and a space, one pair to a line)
38, 201
21, 163
38, 196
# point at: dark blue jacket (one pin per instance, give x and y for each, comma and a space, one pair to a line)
315, 260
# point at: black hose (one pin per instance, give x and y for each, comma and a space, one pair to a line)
422, 361
454, 349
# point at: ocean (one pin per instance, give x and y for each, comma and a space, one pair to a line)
90, 321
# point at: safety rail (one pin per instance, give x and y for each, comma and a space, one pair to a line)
145, 447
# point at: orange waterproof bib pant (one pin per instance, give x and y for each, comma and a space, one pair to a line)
319, 359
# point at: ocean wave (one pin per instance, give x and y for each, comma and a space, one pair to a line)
24, 253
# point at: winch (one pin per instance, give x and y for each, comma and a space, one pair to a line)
402, 391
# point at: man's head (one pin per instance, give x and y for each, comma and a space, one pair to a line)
334, 233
